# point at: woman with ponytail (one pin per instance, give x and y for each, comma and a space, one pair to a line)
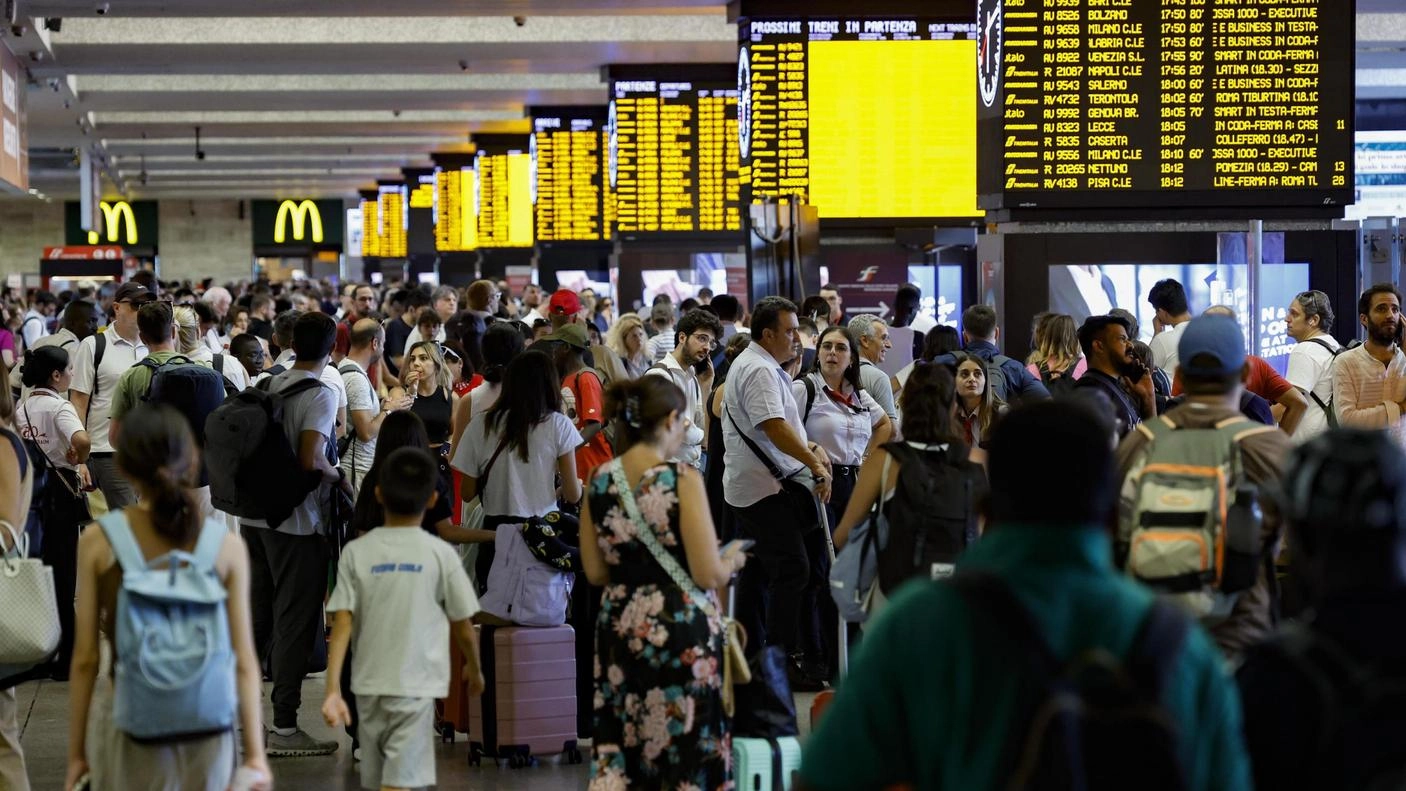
157, 453
47, 419
677, 671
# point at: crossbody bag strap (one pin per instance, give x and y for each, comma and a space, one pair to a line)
757, 451
47, 462
645, 533
483, 479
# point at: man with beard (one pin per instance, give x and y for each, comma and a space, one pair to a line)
1115, 372
697, 335
1368, 386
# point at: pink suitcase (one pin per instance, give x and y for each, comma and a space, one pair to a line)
528, 706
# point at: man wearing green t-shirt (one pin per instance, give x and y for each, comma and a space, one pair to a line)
156, 327
938, 697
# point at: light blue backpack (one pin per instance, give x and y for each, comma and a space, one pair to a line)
174, 663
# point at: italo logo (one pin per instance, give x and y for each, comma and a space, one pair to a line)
866, 275
116, 217
304, 213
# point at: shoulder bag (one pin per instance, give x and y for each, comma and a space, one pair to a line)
29, 621
735, 669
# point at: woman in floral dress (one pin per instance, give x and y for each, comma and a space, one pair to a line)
659, 720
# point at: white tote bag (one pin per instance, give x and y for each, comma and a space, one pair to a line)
29, 619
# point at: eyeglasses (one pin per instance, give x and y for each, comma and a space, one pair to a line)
713, 344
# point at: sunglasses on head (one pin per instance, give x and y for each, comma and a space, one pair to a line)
449, 355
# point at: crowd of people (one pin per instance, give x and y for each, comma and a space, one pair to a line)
1202, 551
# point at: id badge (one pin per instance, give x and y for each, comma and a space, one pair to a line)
941, 571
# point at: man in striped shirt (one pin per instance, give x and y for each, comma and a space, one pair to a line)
1369, 382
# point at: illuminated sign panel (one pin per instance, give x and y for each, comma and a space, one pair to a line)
120, 223
503, 201
568, 158
867, 118
1165, 103
455, 223
370, 228
391, 199
673, 149
132, 224
304, 215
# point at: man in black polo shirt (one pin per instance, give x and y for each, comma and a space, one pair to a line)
1115, 372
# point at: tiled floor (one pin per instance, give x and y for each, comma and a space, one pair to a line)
43, 708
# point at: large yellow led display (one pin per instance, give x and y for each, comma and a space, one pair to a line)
520, 228
892, 128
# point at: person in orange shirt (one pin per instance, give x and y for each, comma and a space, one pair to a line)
582, 396
1287, 402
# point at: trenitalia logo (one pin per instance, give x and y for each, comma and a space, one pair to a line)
115, 217
301, 212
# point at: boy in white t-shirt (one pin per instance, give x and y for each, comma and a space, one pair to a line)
398, 588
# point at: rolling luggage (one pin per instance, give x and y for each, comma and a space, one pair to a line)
765, 764
528, 706
452, 713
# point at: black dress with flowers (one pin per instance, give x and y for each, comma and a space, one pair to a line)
659, 719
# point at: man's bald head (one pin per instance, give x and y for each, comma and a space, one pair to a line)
365, 332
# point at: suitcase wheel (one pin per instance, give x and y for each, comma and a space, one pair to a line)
475, 755
573, 756
516, 761
446, 732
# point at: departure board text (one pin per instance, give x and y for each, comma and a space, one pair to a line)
504, 202
455, 225
392, 200
568, 159
674, 156
1118, 103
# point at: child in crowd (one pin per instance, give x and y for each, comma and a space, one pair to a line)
398, 588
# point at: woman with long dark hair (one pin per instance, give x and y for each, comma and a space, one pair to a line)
48, 419
500, 344
659, 720
521, 446
157, 453
978, 407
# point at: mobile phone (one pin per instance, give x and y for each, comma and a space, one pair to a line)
742, 544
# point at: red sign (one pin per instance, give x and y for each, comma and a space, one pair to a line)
14, 145
108, 252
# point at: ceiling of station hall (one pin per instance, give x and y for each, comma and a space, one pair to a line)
318, 98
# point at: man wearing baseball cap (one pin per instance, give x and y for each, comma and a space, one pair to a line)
582, 394
564, 308
100, 361
1211, 351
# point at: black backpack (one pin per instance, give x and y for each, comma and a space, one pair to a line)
1328, 412
1060, 383
218, 366
932, 516
190, 388
254, 468
1363, 724
1094, 721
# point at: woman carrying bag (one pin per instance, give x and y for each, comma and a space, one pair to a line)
50, 421
659, 637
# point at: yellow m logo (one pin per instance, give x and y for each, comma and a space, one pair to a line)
300, 212
113, 216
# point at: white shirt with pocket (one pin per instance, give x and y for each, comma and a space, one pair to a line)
843, 430
757, 390
119, 354
1311, 371
403, 588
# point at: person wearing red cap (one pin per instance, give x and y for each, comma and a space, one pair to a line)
564, 308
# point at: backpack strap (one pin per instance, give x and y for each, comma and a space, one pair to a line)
1158, 646
124, 545
218, 363
810, 397
207, 548
1325, 345
99, 347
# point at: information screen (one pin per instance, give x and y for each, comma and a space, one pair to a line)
504, 202
869, 118
370, 228
419, 218
1146, 103
455, 224
674, 153
568, 160
392, 200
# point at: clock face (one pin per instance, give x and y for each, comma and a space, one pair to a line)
988, 50
744, 102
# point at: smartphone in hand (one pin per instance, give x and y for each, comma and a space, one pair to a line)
741, 544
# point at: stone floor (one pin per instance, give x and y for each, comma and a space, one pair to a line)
43, 715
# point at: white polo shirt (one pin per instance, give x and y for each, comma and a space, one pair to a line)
230, 368
842, 430
119, 355
757, 390
691, 452
329, 376
51, 421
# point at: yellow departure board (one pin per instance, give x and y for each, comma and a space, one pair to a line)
568, 159
504, 200
865, 118
392, 200
674, 156
455, 223
422, 196
370, 229
1104, 104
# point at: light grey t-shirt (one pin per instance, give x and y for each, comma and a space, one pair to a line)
313, 410
876, 383
361, 397
403, 587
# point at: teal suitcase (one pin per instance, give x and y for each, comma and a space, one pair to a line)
765, 764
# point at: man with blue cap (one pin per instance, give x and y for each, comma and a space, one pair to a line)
1191, 523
